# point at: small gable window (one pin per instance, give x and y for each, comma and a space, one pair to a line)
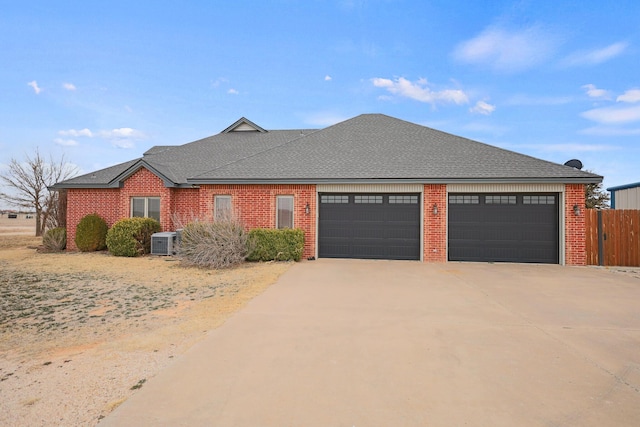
145, 207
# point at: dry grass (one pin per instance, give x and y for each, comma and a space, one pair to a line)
79, 330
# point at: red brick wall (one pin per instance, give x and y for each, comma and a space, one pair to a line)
114, 204
144, 183
435, 226
255, 205
574, 226
82, 202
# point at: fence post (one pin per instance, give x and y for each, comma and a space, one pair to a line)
600, 240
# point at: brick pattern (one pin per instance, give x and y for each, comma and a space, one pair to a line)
82, 202
255, 206
435, 226
115, 204
574, 225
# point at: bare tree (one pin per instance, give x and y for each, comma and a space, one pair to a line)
595, 196
28, 185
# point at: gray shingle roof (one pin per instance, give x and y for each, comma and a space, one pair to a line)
369, 147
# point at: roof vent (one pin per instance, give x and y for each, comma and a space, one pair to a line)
574, 163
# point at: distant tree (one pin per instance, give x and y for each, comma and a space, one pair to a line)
28, 185
596, 197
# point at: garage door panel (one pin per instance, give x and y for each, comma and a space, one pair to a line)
507, 230
373, 228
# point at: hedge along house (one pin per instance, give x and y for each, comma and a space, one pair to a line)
370, 187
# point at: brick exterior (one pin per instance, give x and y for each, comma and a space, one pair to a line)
114, 204
255, 206
574, 225
81, 202
435, 226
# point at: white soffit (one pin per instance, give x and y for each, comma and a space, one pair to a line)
505, 188
369, 188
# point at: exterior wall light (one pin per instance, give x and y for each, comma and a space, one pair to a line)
435, 209
576, 210
307, 209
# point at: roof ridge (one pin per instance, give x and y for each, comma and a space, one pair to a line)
259, 152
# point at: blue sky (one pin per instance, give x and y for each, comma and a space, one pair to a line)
102, 82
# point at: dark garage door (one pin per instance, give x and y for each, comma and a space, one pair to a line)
504, 228
372, 226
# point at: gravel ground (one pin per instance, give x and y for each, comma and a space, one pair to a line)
79, 333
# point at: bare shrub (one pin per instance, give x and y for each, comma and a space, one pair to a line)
55, 239
218, 244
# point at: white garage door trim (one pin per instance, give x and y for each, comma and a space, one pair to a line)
371, 188
517, 188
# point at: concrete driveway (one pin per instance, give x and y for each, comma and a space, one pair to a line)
391, 343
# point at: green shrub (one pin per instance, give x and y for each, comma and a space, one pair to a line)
55, 239
276, 245
219, 244
91, 233
131, 236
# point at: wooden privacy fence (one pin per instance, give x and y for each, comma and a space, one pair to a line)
613, 237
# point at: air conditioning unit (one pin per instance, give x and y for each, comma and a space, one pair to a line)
163, 243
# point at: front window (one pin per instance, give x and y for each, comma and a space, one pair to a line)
222, 207
145, 207
284, 212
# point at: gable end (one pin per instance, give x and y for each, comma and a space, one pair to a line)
244, 125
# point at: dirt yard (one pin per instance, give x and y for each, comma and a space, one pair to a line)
80, 332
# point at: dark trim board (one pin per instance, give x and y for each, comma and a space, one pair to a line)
369, 225
504, 227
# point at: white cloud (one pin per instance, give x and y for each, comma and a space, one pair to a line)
522, 99
609, 131
327, 78
34, 85
122, 143
119, 137
596, 56
483, 108
218, 81
594, 92
631, 96
65, 142
122, 137
121, 133
420, 91
506, 50
76, 133
232, 91
613, 115
69, 86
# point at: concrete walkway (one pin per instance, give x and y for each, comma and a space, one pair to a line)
389, 343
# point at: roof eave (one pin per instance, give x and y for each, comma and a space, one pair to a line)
118, 180
62, 186
624, 187
254, 181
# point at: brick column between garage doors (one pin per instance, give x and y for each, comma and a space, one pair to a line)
435, 225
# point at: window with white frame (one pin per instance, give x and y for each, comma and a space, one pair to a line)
222, 207
284, 212
145, 207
